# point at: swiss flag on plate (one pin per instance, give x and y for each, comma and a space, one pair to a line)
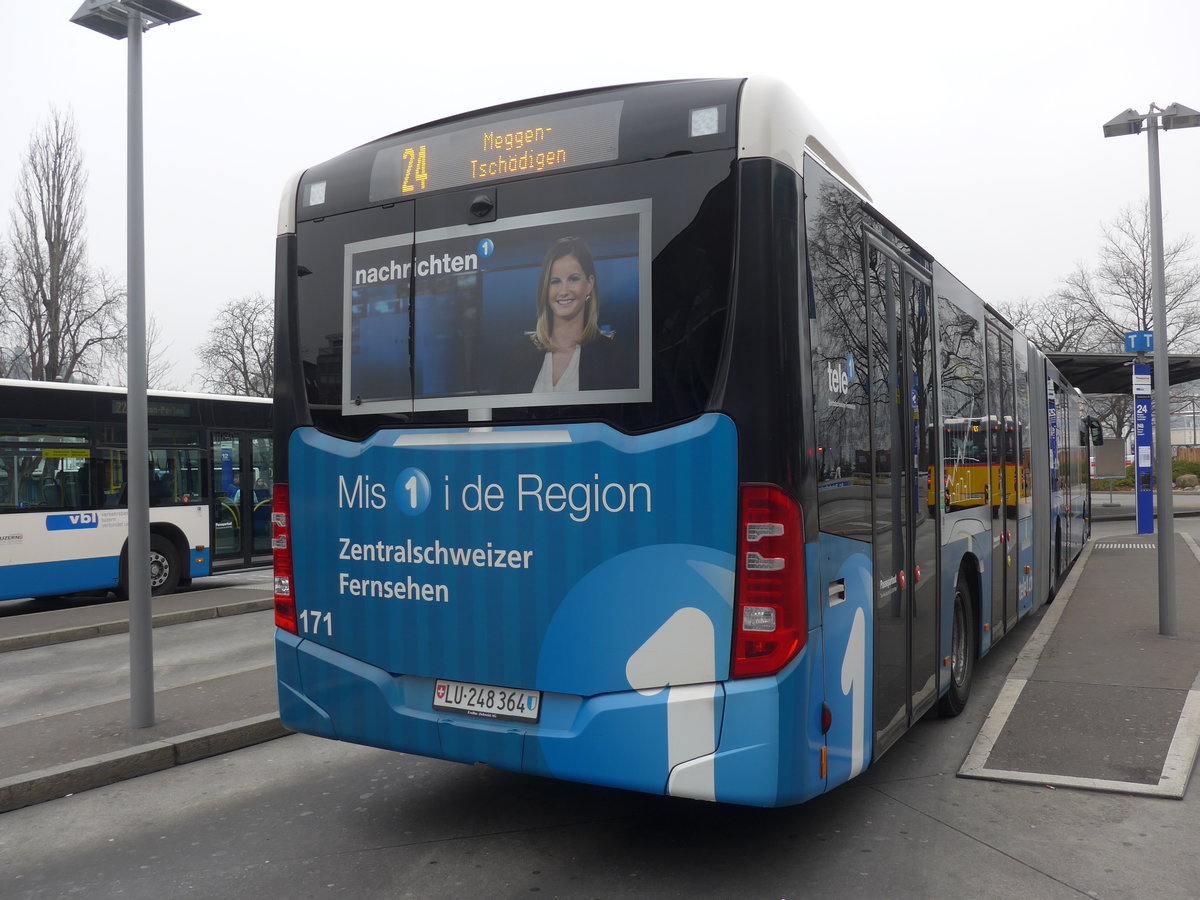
441, 691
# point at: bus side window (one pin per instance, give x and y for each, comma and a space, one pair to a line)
30, 495
51, 493
158, 490
83, 486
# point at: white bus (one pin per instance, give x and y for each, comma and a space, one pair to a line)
63, 472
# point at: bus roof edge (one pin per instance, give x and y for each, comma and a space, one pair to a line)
790, 132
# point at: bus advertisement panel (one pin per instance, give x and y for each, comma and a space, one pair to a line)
564, 562
462, 298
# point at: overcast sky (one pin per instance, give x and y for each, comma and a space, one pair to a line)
975, 127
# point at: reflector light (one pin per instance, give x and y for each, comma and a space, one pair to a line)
758, 618
281, 552
771, 616
756, 531
757, 563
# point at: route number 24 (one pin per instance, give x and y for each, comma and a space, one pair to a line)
415, 173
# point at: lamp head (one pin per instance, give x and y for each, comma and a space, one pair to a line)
1128, 122
1179, 116
111, 17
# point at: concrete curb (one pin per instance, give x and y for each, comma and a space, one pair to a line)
1131, 516
121, 626
71, 778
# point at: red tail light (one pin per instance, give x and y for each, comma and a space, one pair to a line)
281, 551
771, 615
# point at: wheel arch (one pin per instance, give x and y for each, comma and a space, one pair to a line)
971, 574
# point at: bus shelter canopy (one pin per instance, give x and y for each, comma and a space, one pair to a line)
1112, 373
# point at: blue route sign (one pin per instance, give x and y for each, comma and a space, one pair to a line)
1139, 341
1143, 470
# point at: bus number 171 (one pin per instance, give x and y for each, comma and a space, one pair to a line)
314, 621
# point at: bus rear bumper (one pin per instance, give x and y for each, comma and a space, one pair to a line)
745, 742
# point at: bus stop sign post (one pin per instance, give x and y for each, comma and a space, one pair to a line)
1143, 471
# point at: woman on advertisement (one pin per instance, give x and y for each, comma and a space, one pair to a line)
568, 350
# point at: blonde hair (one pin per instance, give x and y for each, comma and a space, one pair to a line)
563, 247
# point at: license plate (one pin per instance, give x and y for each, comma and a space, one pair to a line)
487, 701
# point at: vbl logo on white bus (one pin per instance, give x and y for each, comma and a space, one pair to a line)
69, 521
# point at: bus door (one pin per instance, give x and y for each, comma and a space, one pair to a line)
904, 525
1002, 446
242, 476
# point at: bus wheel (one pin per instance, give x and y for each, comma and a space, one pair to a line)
962, 653
164, 568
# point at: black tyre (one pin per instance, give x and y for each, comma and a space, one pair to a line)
1056, 566
164, 568
962, 653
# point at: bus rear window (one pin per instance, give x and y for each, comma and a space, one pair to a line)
600, 294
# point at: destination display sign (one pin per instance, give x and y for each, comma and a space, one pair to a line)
531, 144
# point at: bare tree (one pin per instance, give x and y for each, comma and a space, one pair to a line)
1094, 307
160, 370
1056, 324
239, 355
1116, 412
1185, 403
59, 316
11, 357
1116, 295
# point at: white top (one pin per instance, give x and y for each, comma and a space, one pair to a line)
569, 380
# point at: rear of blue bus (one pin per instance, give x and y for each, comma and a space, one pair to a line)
604, 579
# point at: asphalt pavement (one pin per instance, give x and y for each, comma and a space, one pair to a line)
76, 741
1097, 699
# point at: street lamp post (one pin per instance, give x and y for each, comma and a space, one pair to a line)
1132, 122
128, 19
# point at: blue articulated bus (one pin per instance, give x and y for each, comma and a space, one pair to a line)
609, 448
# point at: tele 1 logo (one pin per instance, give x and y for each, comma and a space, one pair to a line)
839, 379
